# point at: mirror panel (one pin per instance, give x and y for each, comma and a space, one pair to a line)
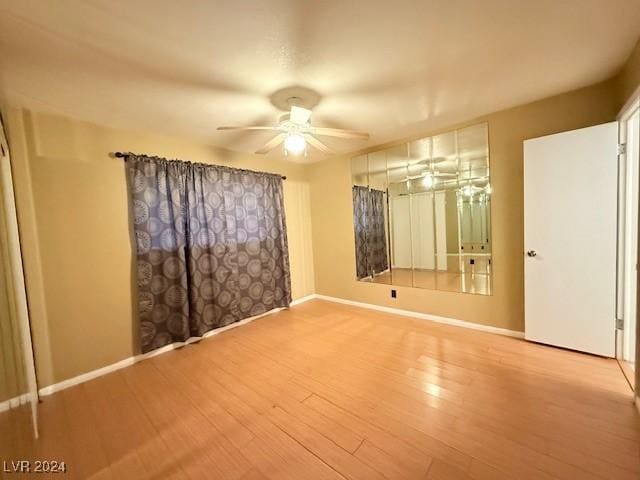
399, 216
435, 196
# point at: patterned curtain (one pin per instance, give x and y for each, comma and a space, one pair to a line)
370, 231
211, 247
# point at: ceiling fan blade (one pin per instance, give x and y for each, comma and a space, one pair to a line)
299, 115
248, 128
314, 142
271, 144
337, 132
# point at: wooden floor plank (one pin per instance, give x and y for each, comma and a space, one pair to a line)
389, 466
329, 391
333, 455
91, 460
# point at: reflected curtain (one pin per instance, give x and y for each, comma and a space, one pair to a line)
370, 232
211, 247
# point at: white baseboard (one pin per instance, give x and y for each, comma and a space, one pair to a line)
14, 402
425, 316
56, 387
85, 377
303, 299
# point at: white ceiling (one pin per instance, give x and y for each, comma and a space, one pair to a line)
395, 69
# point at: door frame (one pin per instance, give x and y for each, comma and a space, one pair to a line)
628, 110
17, 273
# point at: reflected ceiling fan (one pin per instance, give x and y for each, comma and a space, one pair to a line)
296, 132
429, 179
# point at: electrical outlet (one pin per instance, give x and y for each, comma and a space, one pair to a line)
393, 293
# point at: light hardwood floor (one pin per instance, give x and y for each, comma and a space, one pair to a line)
328, 391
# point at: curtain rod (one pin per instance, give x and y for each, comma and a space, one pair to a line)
125, 154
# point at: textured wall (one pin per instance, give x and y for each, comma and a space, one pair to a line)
333, 227
72, 205
73, 212
628, 80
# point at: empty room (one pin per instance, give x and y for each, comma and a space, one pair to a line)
333, 240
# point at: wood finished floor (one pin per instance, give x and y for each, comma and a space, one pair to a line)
327, 391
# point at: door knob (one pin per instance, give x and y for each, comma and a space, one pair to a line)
531, 253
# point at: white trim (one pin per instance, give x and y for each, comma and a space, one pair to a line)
137, 358
632, 103
85, 377
426, 316
17, 274
303, 299
14, 402
627, 233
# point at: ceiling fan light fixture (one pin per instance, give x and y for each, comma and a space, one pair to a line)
295, 131
295, 143
428, 181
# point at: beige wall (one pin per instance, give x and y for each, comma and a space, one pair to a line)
75, 236
73, 213
331, 210
628, 80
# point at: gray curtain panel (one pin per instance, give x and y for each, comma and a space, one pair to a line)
211, 247
370, 232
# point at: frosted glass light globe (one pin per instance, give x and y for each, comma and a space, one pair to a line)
467, 190
428, 181
295, 143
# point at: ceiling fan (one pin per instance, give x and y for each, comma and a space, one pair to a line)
295, 131
429, 179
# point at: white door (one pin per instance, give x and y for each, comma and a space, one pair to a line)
422, 231
570, 201
441, 229
401, 232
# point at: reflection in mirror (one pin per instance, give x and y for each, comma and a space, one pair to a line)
370, 218
436, 197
